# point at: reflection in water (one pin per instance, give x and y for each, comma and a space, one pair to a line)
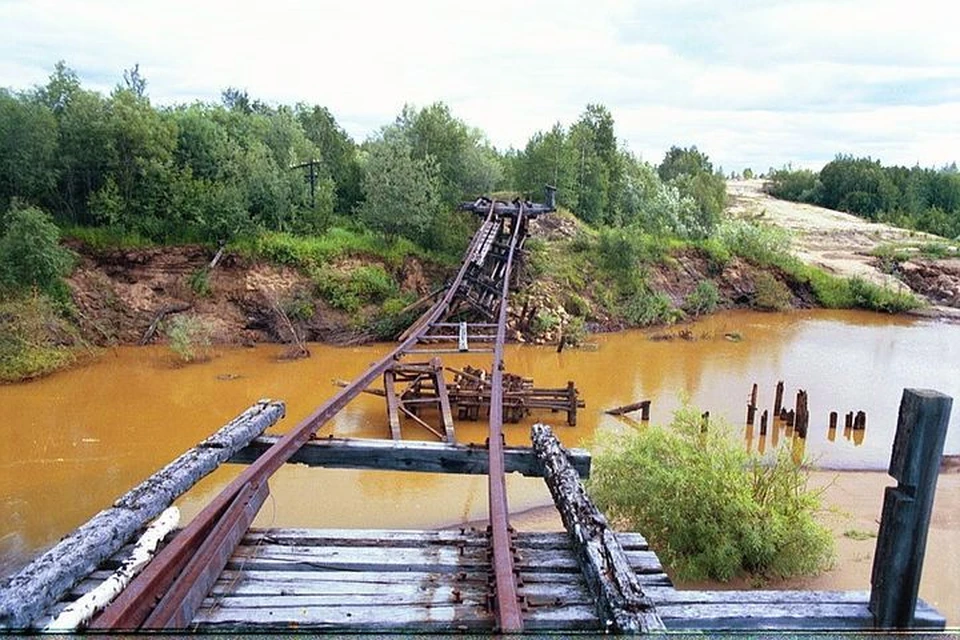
72, 443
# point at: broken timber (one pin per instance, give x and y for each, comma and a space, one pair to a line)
621, 603
432, 457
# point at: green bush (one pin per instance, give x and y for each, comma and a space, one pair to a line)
771, 294
349, 291
761, 244
30, 254
703, 299
102, 239
189, 337
35, 339
708, 508
200, 282
649, 308
543, 322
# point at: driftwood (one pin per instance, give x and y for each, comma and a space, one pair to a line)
179, 307
92, 602
643, 405
25, 595
620, 602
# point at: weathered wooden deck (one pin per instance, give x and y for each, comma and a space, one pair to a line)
413, 581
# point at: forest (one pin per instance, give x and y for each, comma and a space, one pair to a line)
918, 198
287, 185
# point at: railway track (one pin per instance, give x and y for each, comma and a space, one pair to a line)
171, 589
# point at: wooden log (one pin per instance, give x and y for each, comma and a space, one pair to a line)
446, 415
620, 601
179, 307
778, 399
92, 602
643, 405
26, 594
902, 540
393, 404
432, 457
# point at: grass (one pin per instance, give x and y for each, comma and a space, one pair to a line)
310, 252
103, 239
859, 535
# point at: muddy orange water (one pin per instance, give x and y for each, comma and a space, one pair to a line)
74, 442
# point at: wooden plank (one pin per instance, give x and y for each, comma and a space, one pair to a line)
609, 571
26, 594
443, 559
393, 406
446, 414
902, 539
432, 457
759, 617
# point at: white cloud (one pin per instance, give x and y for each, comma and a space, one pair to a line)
754, 83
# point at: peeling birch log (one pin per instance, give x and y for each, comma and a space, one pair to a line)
25, 595
91, 603
620, 602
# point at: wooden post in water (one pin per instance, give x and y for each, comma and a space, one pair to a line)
833, 420
791, 418
752, 405
763, 423
848, 420
778, 399
572, 399
802, 415
704, 422
860, 421
645, 411
901, 543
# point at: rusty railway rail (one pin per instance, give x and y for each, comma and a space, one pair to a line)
168, 593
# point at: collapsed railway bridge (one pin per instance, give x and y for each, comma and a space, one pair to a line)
217, 573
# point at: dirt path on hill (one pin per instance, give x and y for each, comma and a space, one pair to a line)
840, 243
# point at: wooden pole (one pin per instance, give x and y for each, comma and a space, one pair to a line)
704, 422
763, 423
752, 405
572, 410
620, 602
848, 420
778, 399
901, 543
833, 420
645, 412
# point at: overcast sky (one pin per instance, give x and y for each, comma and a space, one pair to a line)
752, 83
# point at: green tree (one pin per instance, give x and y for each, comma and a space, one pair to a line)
338, 152
30, 253
401, 192
691, 172
28, 142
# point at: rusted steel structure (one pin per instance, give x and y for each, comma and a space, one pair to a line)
171, 589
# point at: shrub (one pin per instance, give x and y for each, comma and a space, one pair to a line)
189, 337
35, 339
761, 244
543, 322
771, 294
649, 308
200, 282
30, 253
710, 509
349, 291
703, 299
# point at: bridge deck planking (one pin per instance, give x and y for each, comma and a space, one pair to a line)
401, 580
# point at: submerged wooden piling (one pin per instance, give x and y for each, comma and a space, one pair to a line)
763, 423
752, 405
778, 399
802, 415
860, 421
833, 420
901, 542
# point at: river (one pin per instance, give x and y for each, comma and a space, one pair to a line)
75, 441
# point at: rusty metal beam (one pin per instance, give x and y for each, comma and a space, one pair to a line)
507, 603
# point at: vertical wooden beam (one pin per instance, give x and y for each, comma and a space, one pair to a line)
901, 543
645, 411
763, 423
572, 399
778, 399
462, 340
393, 405
446, 415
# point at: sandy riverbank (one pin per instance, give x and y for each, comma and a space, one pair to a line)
853, 503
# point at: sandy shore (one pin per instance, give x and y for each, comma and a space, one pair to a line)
853, 503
